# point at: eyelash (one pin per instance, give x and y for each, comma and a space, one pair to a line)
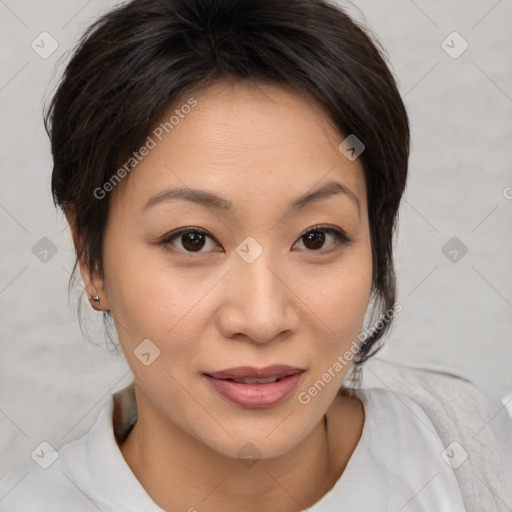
341, 239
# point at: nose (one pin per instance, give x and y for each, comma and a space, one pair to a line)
260, 303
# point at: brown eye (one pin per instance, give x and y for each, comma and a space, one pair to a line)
315, 238
190, 240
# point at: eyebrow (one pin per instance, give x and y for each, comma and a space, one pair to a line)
210, 200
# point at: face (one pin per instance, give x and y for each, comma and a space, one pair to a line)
261, 278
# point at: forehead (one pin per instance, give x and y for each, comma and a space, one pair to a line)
246, 139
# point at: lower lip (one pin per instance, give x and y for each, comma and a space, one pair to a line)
255, 396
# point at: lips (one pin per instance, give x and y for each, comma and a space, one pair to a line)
254, 388
277, 371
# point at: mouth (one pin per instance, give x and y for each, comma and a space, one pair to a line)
255, 380
252, 388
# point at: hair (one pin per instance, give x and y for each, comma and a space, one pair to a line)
136, 60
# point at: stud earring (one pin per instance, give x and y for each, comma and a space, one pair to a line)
94, 298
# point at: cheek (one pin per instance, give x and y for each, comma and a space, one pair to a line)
338, 304
153, 299
339, 294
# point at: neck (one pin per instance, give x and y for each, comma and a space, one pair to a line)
181, 473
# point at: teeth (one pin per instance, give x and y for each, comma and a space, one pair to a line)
257, 381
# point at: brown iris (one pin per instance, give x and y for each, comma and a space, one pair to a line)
316, 237
193, 241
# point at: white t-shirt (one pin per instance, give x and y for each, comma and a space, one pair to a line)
397, 467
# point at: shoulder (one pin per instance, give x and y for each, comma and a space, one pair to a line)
450, 400
85, 475
474, 429
57, 480
399, 450
30, 487
394, 419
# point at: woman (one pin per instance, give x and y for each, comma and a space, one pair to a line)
231, 172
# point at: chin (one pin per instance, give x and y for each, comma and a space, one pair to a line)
254, 442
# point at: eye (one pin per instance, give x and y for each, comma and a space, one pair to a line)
191, 240
315, 238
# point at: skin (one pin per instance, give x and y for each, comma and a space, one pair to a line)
260, 147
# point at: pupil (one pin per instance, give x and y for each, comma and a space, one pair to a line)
317, 237
192, 241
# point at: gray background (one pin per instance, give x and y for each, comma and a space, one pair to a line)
455, 314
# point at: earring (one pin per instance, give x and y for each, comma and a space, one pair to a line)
94, 298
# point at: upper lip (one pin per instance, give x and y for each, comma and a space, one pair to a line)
248, 372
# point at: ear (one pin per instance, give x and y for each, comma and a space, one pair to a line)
94, 285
